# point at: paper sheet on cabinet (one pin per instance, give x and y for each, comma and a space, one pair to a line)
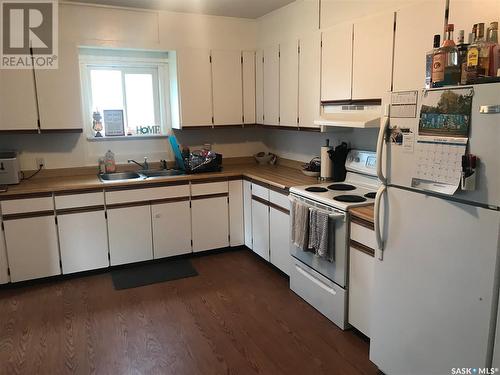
442, 139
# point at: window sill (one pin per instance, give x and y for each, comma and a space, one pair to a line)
125, 138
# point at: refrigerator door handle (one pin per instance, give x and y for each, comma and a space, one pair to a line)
380, 146
377, 226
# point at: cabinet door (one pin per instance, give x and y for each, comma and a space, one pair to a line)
409, 58
271, 85
83, 240
4, 274
171, 228
259, 86
195, 87
360, 289
309, 79
336, 63
279, 240
17, 100
32, 247
249, 82
236, 230
227, 87
465, 13
247, 212
289, 83
130, 236
210, 223
260, 229
372, 56
59, 93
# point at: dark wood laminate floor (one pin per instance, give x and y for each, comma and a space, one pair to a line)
237, 317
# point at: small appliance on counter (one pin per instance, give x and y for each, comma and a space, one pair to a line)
338, 157
326, 162
9, 168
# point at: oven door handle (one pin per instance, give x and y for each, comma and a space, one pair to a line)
377, 226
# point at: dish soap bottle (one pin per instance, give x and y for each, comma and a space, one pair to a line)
109, 162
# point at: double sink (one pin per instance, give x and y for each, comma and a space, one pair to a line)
141, 175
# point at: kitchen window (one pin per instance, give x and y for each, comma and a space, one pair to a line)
125, 93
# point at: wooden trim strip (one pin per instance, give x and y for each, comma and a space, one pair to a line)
67, 130
78, 210
257, 182
27, 215
20, 131
376, 101
26, 195
235, 178
208, 196
78, 191
146, 185
309, 129
170, 200
208, 180
260, 200
363, 248
228, 126
279, 208
362, 222
277, 189
127, 204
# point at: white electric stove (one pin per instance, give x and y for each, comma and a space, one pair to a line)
320, 282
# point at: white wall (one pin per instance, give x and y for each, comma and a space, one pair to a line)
134, 28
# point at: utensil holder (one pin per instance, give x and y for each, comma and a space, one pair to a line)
468, 183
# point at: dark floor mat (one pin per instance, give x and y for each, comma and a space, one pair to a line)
152, 273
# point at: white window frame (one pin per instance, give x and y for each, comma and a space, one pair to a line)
157, 66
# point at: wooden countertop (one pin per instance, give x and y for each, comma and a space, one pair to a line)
363, 212
281, 177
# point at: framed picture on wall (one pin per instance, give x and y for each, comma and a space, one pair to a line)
113, 122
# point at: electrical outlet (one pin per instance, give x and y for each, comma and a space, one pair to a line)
40, 163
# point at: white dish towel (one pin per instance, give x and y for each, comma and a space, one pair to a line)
319, 234
300, 224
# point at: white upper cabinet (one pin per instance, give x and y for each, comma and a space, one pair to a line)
289, 83
465, 13
17, 100
227, 87
372, 56
249, 78
309, 79
194, 74
59, 93
259, 87
336, 63
410, 47
271, 85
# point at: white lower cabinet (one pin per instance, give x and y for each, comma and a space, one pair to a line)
360, 289
247, 212
236, 224
279, 239
260, 228
171, 228
32, 247
130, 234
210, 223
83, 241
4, 266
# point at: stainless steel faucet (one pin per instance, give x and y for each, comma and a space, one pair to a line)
144, 166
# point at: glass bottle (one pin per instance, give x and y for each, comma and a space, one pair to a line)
428, 61
473, 56
494, 55
445, 61
484, 52
462, 56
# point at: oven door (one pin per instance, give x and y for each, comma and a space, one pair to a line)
335, 271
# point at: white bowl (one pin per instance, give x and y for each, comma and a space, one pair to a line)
263, 159
310, 173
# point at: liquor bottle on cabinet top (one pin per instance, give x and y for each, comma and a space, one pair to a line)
462, 56
445, 69
428, 61
494, 53
473, 56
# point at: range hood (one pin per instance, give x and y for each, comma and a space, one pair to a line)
350, 114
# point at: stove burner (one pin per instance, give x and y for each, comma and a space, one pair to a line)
316, 189
349, 198
371, 195
341, 187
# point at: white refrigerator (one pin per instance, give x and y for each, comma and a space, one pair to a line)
436, 274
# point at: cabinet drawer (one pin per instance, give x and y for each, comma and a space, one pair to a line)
148, 194
363, 235
79, 200
19, 206
260, 191
209, 188
279, 199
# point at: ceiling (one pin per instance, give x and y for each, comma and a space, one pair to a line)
229, 8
